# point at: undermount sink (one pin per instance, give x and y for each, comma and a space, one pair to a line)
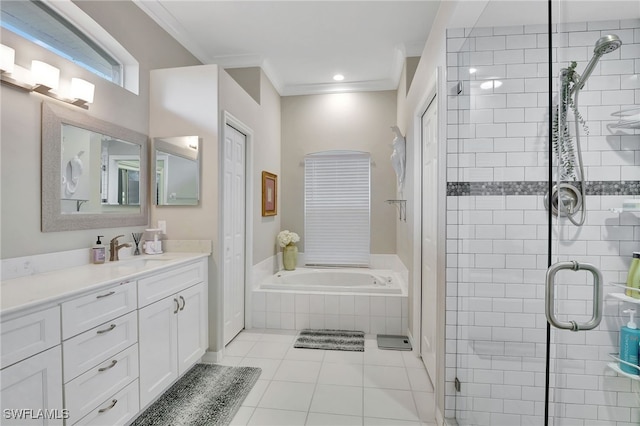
148, 261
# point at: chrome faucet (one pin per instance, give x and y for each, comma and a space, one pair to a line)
114, 247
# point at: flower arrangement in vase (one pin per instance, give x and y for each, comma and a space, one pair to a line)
287, 240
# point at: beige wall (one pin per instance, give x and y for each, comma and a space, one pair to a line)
264, 120
20, 115
350, 121
190, 101
451, 14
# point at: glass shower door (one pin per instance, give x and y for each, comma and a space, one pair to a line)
506, 365
590, 241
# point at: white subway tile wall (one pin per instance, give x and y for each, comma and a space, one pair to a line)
497, 245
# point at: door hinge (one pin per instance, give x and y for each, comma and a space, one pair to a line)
456, 384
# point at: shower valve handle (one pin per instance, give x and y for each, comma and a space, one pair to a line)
596, 316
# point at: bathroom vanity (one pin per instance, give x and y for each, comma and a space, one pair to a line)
95, 344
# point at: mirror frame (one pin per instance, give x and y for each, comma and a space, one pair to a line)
53, 117
169, 145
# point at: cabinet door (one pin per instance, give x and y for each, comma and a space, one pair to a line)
157, 341
192, 326
32, 390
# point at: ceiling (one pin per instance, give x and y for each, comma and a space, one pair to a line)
301, 44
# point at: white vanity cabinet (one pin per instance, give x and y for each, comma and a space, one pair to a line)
173, 329
80, 348
100, 350
31, 375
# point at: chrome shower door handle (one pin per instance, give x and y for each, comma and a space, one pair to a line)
550, 302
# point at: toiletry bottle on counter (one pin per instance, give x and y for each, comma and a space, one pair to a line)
629, 344
633, 277
98, 251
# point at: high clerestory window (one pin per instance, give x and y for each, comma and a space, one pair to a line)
337, 230
64, 29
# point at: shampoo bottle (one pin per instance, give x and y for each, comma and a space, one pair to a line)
629, 344
633, 277
98, 251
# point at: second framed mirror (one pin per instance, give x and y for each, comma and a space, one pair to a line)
176, 171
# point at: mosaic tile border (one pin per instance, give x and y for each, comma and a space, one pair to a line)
461, 189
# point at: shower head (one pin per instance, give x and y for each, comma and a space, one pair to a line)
604, 45
607, 44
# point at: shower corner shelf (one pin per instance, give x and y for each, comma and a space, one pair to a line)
624, 210
615, 367
402, 208
623, 296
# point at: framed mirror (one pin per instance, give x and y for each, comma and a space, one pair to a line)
94, 173
176, 180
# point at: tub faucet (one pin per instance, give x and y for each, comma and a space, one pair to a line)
114, 247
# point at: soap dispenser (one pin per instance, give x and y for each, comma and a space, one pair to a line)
98, 251
629, 344
633, 277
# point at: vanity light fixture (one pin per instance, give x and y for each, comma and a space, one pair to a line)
338, 77
7, 59
42, 78
82, 90
45, 76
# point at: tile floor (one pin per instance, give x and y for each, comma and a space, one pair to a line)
322, 388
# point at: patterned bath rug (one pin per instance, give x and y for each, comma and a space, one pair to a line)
208, 394
336, 340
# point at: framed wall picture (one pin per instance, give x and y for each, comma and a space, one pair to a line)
269, 194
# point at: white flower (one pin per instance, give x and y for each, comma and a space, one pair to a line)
287, 237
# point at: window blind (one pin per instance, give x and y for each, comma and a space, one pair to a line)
337, 205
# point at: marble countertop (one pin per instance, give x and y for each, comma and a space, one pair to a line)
47, 288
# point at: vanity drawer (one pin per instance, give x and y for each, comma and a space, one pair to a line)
154, 288
26, 336
125, 407
98, 344
96, 308
90, 390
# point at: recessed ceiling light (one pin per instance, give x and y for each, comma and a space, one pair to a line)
472, 70
338, 77
490, 84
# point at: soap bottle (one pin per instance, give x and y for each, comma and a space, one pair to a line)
633, 277
629, 344
98, 251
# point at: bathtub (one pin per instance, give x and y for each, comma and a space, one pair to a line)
344, 280
369, 300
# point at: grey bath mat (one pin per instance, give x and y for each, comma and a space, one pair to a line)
337, 340
208, 394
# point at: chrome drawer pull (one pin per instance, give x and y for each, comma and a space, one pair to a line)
100, 296
183, 303
111, 327
113, 404
177, 306
113, 364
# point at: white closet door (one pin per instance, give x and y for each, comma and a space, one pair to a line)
234, 232
429, 237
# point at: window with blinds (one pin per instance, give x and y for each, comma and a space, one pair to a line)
337, 189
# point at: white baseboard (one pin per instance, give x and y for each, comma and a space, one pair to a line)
212, 357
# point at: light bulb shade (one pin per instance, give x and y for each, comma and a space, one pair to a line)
22, 75
45, 74
82, 89
7, 58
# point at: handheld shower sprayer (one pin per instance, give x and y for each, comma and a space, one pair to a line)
568, 199
604, 45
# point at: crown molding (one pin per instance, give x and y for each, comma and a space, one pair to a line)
156, 11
